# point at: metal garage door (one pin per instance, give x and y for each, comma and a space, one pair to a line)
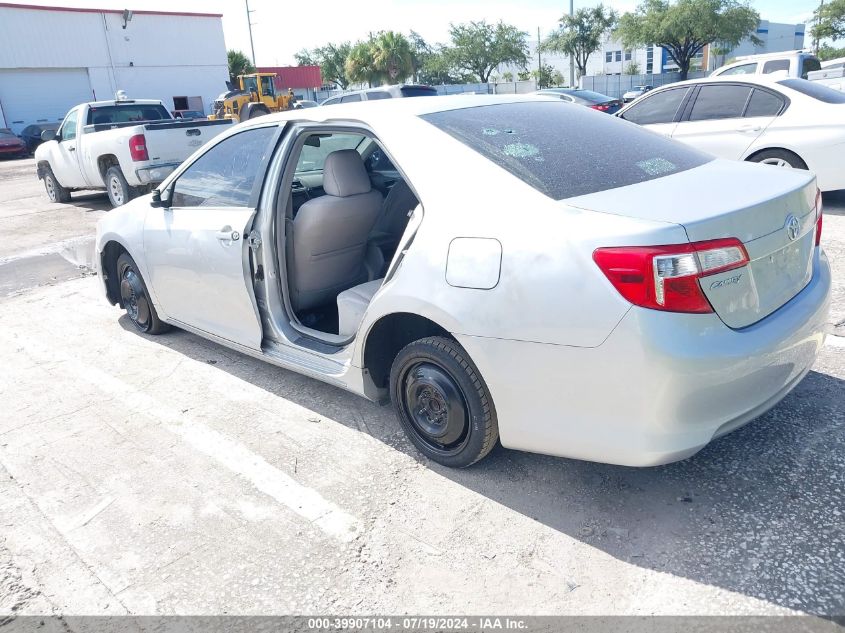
35, 95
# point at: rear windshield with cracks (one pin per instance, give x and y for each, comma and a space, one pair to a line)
565, 150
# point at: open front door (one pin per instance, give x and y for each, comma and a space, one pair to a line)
197, 251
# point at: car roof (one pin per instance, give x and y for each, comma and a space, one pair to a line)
763, 80
100, 104
414, 106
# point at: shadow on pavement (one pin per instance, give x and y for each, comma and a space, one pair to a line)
833, 202
759, 512
90, 201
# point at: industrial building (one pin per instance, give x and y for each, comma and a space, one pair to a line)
53, 58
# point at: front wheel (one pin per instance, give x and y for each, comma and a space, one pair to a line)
779, 158
135, 299
442, 402
55, 192
117, 188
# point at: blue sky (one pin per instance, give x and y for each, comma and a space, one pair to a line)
282, 27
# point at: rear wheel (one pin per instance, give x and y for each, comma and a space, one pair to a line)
135, 299
117, 188
55, 192
779, 158
442, 402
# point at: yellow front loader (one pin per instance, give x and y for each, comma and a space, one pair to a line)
255, 95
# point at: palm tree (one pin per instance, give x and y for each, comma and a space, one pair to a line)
392, 55
360, 66
239, 64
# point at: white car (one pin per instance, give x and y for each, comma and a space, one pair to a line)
785, 122
785, 64
492, 268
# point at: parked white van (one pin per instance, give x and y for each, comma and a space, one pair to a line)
790, 63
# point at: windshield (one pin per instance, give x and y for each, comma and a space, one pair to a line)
104, 115
563, 150
815, 90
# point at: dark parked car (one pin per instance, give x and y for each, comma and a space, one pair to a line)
10, 145
31, 134
635, 93
594, 100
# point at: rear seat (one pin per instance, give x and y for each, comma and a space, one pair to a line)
351, 305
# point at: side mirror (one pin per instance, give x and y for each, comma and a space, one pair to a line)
160, 198
48, 135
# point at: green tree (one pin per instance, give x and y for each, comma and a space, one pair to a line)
523, 75
479, 48
633, 68
331, 59
544, 76
306, 58
360, 65
507, 76
239, 64
392, 56
826, 52
580, 35
557, 78
421, 51
830, 21
683, 28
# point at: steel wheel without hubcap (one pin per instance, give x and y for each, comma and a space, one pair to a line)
116, 188
135, 299
436, 408
50, 186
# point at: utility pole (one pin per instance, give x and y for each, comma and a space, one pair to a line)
539, 62
571, 56
249, 25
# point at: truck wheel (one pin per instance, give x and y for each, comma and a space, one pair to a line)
442, 402
55, 191
117, 188
135, 299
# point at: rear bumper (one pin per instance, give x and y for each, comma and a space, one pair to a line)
659, 388
155, 174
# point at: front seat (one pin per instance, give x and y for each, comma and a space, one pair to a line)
329, 234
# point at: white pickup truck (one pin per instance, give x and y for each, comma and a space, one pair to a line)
125, 147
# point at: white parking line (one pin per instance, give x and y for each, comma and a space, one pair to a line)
236, 457
835, 341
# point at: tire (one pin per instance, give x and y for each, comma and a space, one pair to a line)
252, 110
135, 299
442, 402
779, 158
117, 188
55, 192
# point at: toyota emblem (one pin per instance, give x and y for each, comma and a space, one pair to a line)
793, 227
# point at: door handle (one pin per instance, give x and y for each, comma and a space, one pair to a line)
71, 149
749, 128
226, 234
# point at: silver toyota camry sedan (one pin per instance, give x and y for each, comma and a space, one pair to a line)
502, 269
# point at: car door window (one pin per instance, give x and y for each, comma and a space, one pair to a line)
719, 102
660, 107
764, 103
377, 94
348, 98
744, 69
69, 126
314, 151
774, 65
225, 175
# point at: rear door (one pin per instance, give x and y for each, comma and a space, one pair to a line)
197, 250
725, 119
658, 111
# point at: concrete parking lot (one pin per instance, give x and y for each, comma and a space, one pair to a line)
169, 475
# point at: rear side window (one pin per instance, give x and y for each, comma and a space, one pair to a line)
225, 175
418, 91
744, 69
813, 89
563, 150
719, 102
660, 107
808, 65
774, 65
377, 94
349, 98
764, 103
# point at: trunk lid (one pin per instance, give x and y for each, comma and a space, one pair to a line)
770, 210
173, 142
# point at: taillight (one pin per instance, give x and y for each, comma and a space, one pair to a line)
819, 215
666, 277
601, 107
138, 148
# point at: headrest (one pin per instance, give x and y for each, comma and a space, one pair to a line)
344, 174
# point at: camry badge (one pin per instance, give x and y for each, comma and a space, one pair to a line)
793, 227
